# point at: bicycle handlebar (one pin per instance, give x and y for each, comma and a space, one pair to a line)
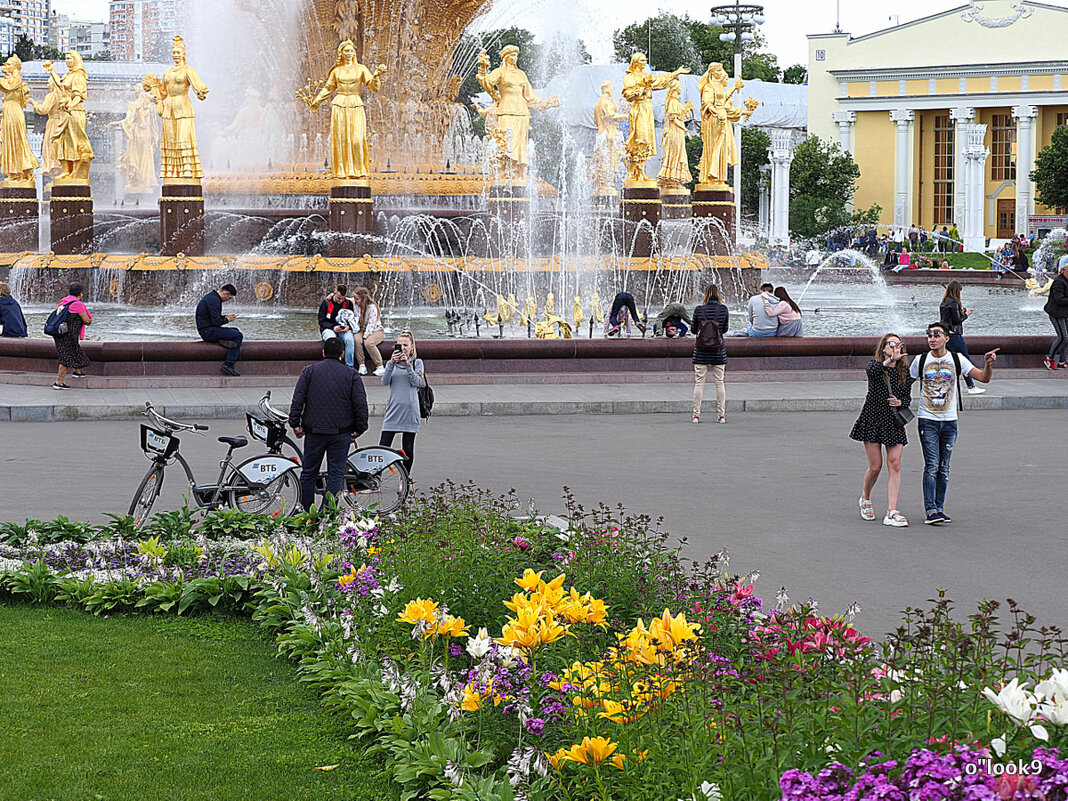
265, 406
167, 423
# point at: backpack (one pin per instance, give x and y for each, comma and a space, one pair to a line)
56, 324
709, 337
956, 364
426, 399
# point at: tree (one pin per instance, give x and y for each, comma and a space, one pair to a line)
24, 48
755, 146
665, 39
1051, 170
822, 181
798, 73
755, 64
47, 53
103, 55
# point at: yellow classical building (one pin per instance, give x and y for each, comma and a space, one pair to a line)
944, 115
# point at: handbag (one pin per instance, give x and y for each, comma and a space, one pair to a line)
902, 415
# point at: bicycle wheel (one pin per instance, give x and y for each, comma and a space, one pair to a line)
385, 490
147, 492
279, 497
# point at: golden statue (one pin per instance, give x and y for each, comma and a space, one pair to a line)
350, 152
50, 109
71, 148
138, 160
179, 154
514, 98
638, 87
717, 133
675, 166
577, 313
17, 161
607, 116
550, 304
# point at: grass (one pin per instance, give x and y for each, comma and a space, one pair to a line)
143, 708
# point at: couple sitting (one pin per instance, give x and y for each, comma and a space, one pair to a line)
361, 331
773, 313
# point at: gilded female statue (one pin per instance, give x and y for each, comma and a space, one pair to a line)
179, 154
138, 160
717, 134
675, 167
350, 152
638, 87
50, 109
514, 98
17, 161
70, 144
606, 116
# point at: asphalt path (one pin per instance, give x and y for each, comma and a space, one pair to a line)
778, 490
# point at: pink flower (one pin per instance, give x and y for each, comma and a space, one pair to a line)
520, 543
740, 593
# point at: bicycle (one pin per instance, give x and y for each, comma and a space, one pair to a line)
266, 484
375, 476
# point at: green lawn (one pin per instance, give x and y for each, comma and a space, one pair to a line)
143, 708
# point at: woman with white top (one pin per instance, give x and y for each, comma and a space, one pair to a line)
370, 333
403, 375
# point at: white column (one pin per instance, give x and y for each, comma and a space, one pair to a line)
764, 202
960, 116
975, 155
1024, 157
845, 120
902, 172
781, 155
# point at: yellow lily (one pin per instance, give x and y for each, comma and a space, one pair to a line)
419, 610
592, 751
452, 627
530, 580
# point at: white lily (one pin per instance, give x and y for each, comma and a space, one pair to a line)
1055, 711
479, 646
998, 744
1014, 700
1055, 687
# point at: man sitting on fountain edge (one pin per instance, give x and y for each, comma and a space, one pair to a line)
329, 324
212, 325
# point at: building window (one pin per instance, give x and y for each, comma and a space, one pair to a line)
1003, 133
1062, 118
943, 169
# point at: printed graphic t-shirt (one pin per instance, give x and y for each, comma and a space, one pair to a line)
938, 385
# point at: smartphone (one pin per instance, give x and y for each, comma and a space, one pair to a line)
397, 348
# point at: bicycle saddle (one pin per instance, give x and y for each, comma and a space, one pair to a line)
235, 442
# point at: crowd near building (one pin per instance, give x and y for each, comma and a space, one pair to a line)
944, 115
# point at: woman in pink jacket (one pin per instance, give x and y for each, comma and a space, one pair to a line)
68, 345
788, 314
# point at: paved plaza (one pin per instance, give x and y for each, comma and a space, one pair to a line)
778, 489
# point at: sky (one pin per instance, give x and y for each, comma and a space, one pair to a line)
788, 21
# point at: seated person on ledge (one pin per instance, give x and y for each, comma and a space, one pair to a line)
762, 324
212, 325
675, 316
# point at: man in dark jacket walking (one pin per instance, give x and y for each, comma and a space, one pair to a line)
212, 325
1057, 309
330, 407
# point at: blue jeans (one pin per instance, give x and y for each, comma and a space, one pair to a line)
957, 345
752, 332
336, 449
936, 438
221, 332
346, 337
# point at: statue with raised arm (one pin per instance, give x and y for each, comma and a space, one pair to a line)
719, 150
71, 148
179, 154
350, 150
50, 108
675, 166
138, 160
514, 98
638, 87
17, 161
606, 116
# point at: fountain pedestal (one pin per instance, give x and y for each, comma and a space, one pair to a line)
71, 209
181, 219
509, 201
18, 208
352, 212
675, 204
640, 204
714, 202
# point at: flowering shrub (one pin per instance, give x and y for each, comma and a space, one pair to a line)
489, 656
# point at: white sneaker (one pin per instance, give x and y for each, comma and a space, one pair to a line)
976, 390
895, 518
696, 419
380, 370
362, 370
722, 419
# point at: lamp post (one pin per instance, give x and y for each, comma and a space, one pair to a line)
740, 21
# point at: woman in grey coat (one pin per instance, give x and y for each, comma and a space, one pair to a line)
403, 376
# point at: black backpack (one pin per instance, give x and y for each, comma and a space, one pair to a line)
426, 399
709, 337
56, 324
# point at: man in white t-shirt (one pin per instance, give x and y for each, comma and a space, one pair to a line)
937, 415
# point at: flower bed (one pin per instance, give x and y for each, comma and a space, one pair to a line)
489, 656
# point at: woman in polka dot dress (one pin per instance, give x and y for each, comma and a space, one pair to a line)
889, 385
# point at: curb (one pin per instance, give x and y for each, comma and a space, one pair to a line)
65, 413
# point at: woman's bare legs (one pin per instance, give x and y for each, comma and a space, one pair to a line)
875, 464
893, 462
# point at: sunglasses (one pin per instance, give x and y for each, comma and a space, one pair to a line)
936, 334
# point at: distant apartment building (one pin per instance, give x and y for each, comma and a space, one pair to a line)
31, 18
141, 30
89, 39
59, 32
8, 37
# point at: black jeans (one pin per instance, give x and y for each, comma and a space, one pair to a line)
1060, 344
407, 445
623, 299
336, 449
221, 332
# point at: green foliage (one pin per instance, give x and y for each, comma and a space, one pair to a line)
694, 147
822, 181
45, 532
755, 146
171, 525
868, 216
1051, 170
798, 73
236, 523
665, 39
24, 48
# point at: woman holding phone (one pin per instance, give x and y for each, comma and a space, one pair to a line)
404, 376
889, 387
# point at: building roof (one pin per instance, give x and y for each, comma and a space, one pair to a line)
126, 72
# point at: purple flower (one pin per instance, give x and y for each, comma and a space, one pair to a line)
535, 726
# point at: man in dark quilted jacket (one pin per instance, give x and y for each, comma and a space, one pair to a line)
330, 408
